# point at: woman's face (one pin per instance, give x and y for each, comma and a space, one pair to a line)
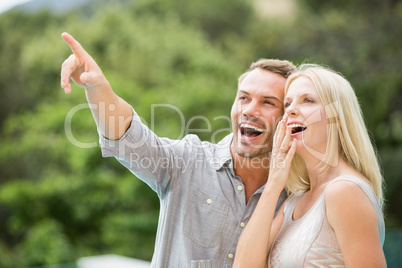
306, 115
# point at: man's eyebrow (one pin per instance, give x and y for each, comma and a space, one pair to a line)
265, 97
272, 97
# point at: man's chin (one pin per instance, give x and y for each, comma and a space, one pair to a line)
251, 154
249, 150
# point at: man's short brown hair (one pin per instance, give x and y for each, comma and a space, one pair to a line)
282, 67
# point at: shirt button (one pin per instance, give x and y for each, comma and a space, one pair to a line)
242, 224
209, 201
240, 188
230, 256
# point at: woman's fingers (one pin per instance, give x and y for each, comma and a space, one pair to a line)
291, 152
287, 161
284, 145
278, 137
282, 154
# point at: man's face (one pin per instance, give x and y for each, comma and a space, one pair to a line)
255, 112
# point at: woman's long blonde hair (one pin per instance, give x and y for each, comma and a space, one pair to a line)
347, 128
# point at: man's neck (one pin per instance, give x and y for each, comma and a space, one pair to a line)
253, 172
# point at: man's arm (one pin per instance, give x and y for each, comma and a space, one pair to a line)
112, 114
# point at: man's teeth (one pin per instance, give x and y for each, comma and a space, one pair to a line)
251, 127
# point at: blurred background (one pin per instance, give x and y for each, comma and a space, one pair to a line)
60, 201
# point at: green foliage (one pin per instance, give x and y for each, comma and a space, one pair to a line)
177, 63
215, 18
63, 204
45, 243
18, 72
353, 6
59, 201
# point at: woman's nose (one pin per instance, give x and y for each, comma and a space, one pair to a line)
291, 109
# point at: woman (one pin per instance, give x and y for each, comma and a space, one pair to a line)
323, 153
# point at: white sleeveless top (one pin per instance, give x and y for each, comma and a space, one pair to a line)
310, 241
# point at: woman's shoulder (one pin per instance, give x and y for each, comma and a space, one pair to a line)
349, 186
351, 201
348, 197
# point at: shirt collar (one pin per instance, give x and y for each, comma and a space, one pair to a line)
222, 155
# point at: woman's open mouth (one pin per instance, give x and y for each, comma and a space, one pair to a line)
297, 128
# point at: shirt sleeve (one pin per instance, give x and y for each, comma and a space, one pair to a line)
156, 161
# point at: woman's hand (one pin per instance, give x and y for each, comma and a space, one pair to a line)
256, 239
283, 150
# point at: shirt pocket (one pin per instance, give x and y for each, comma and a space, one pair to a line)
205, 219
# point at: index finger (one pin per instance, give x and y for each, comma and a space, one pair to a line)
279, 134
75, 47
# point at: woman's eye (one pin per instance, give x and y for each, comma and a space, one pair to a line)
307, 100
287, 104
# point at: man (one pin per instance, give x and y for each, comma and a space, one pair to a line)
207, 192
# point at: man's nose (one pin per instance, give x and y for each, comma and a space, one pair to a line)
251, 110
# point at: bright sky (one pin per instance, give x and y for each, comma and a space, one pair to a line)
7, 4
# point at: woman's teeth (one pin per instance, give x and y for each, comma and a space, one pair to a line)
297, 128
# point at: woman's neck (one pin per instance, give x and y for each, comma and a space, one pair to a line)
321, 173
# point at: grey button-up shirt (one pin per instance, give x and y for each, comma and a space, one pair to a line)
203, 206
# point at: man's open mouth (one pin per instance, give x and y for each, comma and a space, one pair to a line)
249, 131
297, 128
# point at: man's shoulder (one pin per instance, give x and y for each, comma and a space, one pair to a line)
195, 140
215, 152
